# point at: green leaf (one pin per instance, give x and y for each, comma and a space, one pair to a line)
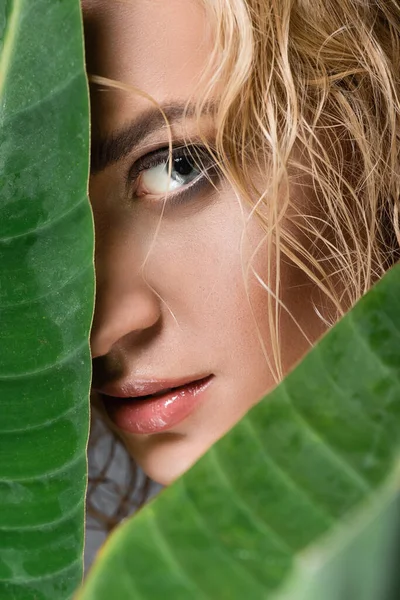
311, 454
358, 561
46, 297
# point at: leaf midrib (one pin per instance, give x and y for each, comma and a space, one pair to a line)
10, 37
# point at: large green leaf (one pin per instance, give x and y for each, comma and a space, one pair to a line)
359, 561
46, 297
305, 458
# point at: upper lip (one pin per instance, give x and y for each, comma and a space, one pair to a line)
136, 388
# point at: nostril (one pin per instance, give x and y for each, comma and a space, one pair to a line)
105, 368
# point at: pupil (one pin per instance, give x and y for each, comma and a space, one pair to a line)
182, 166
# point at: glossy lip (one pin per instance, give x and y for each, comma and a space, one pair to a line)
145, 387
134, 408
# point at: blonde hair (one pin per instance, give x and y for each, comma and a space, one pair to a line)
309, 91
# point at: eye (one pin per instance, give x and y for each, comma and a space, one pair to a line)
157, 180
150, 174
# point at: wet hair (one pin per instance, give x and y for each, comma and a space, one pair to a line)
310, 100
308, 133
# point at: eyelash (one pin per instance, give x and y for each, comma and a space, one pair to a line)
162, 155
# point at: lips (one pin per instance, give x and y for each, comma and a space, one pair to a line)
153, 406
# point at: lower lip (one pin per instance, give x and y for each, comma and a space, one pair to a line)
154, 415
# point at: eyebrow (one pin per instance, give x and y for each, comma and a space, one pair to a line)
115, 146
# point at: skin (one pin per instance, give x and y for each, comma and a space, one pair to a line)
171, 299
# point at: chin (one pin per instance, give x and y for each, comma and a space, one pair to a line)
163, 458
165, 472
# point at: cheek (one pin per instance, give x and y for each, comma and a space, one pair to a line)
199, 268
196, 260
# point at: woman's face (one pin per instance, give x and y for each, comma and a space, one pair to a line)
174, 308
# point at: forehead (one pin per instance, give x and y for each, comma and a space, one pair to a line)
158, 46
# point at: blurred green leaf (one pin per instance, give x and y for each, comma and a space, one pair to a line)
46, 297
359, 560
296, 469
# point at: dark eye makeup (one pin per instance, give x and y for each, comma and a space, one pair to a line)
197, 157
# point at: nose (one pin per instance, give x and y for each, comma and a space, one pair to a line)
121, 311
